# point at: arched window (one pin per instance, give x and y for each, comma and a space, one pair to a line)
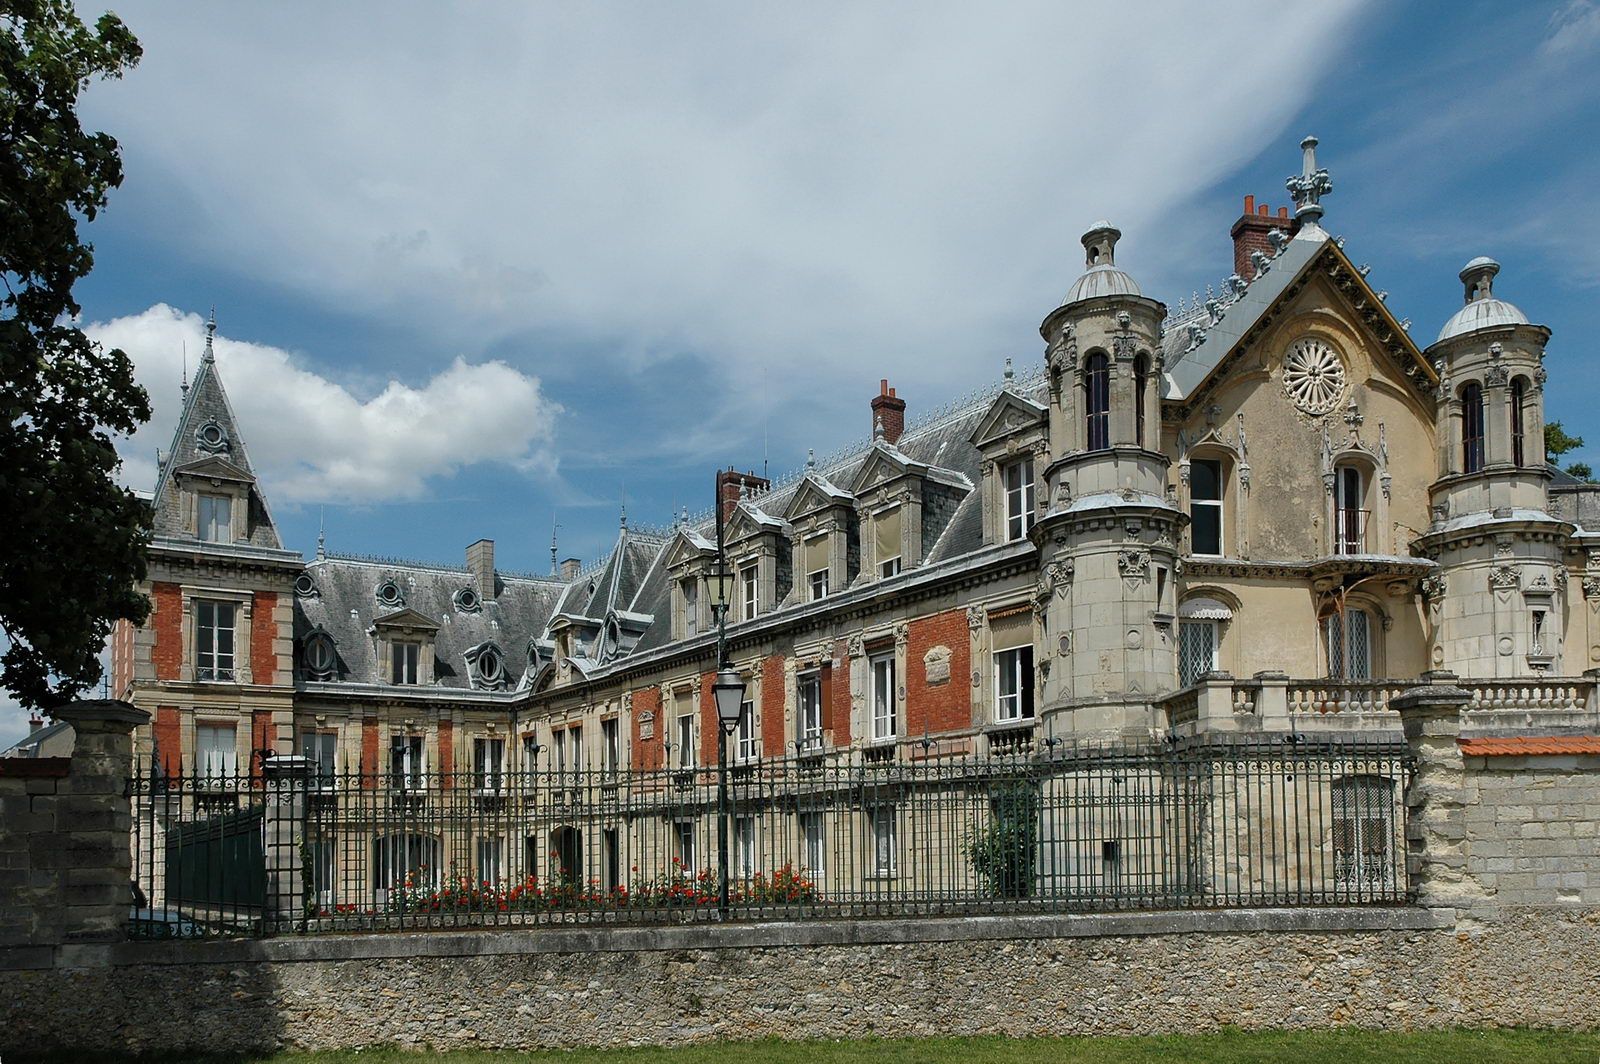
1472, 427
1097, 401
1519, 390
1350, 520
1141, 381
1364, 843
1347, 640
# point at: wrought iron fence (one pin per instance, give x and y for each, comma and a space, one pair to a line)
285, 847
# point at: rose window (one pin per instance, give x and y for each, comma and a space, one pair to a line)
1313, 376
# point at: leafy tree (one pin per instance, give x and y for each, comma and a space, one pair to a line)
1004, 851
1558, 443
72, 543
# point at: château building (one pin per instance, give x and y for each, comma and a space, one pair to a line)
1267, 510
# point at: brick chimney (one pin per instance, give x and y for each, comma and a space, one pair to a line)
570, 568
731, 485
1250, 234
35, 723
890, 411
480, 562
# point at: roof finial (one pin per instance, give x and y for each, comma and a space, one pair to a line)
1309, 185
183, 388
624, 504
1010, 373
211, 330
553, 526
811, 459
877, 425
322, 533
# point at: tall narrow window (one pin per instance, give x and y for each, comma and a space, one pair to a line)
1350, 520
686, 741
1097, 401
214, 632
1205, 505
1519, 388
1013, 678
744, 846
216, 518
691, 607
884, 844
887, 534
405, 659
1472, 427
1019, 498
319, 747
750, 592
558, 750
883, 697
488, 763
405, 762
810, 730
611, 858
1197, 649
491, 860
747, 744
1141, 382
610, 746
814, 850
1347, 637
814, 554
683, 831
1363, 832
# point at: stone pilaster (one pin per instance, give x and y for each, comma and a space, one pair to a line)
288, 781
1436, 830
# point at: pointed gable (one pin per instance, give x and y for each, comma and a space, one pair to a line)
1008, 413
816, 492
208, 443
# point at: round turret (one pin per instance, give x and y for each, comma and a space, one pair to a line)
1482, 309
1102, 277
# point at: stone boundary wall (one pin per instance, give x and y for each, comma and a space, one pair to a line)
1060, 975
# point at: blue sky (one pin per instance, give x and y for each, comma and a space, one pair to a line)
480, 273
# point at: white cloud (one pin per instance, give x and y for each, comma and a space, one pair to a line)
888, 189
1573, 30
311, 439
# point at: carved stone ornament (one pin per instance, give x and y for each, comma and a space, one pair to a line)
1313, 376
1123, 346
1433, 587
902, 635
647, 725
1055, 580
1591, 587
1133, 564
212, 438
936, 666
1496, 376
974, 617
854, 647
1505, 578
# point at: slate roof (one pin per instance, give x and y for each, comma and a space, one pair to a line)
345, 604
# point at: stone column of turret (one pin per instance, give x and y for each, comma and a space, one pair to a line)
1108, 539
1497, 604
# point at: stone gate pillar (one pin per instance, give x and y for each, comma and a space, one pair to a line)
1436, 830
288, 783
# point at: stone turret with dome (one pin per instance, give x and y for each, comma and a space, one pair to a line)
1483, 310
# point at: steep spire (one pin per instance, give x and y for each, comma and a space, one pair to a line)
211, 331
183, 388
554, 567
322, 533
1309, 186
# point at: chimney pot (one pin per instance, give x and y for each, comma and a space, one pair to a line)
570, 567
34, 724
1250, 233
1249, 205
731, 485
889, 410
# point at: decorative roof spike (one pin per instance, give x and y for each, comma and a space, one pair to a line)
1278, 239
1405, 323
877, 426
1383, 295
1236, 285
811, 459
322, 534
211, 331
1309, 185
1010, 373
1258, 259
183, 387
1364, 269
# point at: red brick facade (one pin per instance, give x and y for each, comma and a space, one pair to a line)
169, 739
838, 695
647, 750
708, 719
263, 631
166, 601
447, 751
772, 695
1250, 234
369, 751
262, 735
121, 658
944, 706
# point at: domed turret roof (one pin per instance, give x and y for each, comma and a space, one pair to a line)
1102, 278
1482, 309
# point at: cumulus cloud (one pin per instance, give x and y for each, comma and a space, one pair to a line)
312, 439
784, 191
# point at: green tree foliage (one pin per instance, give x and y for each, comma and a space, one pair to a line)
1558, 443
1004, 852
72, 543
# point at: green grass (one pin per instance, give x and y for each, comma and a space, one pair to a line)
1307, 1047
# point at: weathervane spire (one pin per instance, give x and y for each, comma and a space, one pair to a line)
1309, 185
211, 331
322, 533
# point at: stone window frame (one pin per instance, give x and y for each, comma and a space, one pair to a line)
831, 517
389, 634
1001, 448
981, 618
192, 485
243, 601
1379, 621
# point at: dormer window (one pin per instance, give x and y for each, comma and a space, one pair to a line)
491, 666
319, 657
305, 585
690, 590
1019, 488
819, 584
405, 660
215, 523
815, 559
887, 526
467, 601
389, 594
749, 592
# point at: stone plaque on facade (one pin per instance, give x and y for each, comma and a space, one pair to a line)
936, 665
647, 725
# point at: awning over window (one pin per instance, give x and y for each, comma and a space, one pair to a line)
1204, 609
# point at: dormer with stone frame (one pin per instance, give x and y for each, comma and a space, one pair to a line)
901, 505
403, 647
1013, 438
690, 562
825, 541
760, 561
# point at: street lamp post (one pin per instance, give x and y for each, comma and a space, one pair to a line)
728, 691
